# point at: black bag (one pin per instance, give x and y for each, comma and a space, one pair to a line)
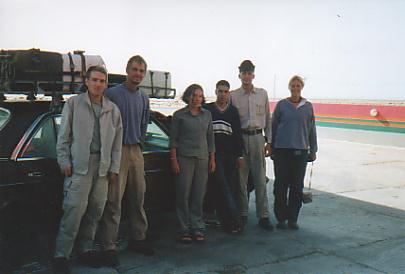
28, 67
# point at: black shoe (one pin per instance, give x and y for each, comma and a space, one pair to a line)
243, 220
265, 224
60, 265
91, 258
109, 258
293, 225
281, 225
140, 247
233, 228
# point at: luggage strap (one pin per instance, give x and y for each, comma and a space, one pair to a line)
310, 175
72, 71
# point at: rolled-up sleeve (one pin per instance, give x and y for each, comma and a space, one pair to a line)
267, 129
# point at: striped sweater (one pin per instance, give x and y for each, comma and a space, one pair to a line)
227, 130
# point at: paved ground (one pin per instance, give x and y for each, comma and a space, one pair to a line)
356, 223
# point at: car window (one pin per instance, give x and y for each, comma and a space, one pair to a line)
58, 121
156, 139
4, 117
43, 142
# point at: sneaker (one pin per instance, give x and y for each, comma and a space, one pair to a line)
60, 265
265, 224
109, 258
293, 225
140, 247
90, 258
281, 225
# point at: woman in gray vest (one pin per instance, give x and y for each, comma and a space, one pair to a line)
192, 156
294, 143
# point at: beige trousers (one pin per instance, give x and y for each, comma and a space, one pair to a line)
83, 204
255, 164
132, 177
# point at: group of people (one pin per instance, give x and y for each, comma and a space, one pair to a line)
99, 150
230, 138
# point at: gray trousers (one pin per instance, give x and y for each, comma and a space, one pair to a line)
191, 185
254, 163
83, 205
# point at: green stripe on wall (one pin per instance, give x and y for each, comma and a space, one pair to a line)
363, 127
361, 120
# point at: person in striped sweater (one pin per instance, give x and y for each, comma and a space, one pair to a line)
229, 147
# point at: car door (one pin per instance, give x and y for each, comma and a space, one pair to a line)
160, 194
39, 171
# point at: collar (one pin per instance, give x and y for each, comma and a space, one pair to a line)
187, 110
219, 109
107, 105
302, 102
126, 87
254, 90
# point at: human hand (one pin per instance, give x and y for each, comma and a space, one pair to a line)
311, 157
239, 162
268, 150
67, 171
112, 177
175, 166
212, 166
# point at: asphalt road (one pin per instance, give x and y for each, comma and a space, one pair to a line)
356, 223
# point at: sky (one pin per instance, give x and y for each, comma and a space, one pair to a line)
345, 49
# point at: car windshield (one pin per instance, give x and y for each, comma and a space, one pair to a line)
4, 117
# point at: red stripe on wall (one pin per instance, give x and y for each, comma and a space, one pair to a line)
393, 113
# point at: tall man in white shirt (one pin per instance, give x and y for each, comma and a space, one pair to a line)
253, 106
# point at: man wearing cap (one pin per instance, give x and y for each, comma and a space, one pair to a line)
253, 106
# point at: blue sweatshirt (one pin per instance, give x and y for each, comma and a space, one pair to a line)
134, 108
294, 127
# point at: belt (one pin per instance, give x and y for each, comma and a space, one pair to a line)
251, 131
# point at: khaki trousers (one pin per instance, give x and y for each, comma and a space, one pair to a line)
132, 177
83, 204
255, 164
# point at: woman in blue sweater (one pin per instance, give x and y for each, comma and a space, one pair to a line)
294, 144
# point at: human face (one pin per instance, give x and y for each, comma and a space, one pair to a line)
196, 99
223, 93
135, 73
246, 77
96, 84
295, 89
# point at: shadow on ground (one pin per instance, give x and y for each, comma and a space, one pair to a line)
337, 235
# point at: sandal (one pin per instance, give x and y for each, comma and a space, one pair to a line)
199, 237
185, 239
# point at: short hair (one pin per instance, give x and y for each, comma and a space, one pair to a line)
222, 83
98, 68
294, 78
247, 66
189, 92
138, 59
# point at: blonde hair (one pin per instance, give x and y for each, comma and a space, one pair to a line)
298, 78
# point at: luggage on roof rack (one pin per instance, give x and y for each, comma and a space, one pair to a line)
45, 72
